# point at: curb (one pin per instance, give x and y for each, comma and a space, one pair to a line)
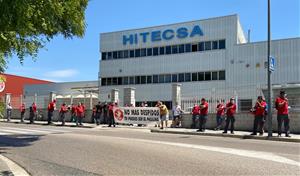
14, 167
238, 136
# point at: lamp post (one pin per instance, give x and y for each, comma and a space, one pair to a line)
269, 76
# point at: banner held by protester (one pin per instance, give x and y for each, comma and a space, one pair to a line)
136, 115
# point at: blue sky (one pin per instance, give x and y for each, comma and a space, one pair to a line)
78, 59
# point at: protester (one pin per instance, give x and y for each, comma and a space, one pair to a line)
203, 115
79, 114
111, 120
195, 115
22, 110
73, 113
220, 109
281, 104
51, 108
105, 113
164, 112
34, 108
94, 115
258, 111
8, 111
62, 113
31, 115
230, 112
177, 112
99, 109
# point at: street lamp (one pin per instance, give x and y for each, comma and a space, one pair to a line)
269, 76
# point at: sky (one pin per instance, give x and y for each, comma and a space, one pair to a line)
77, 59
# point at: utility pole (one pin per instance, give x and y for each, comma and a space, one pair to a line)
269, 76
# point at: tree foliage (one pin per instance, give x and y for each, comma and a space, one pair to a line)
27, 25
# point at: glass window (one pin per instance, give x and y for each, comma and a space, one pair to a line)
207, 76
181, 48
125, 53
194, 47
162, 50
131, 80
143, 79
208, 45
168, 78
155, 78
187, 77
137, 80
174, 78
221, 75
115, 54
103, 81
138, 53
222, 44
194, 77
161, 78
214, 76
201, 46
245, 104
119, 80
155, 51
131, 54
108, 81
115, 81
125, 81
149, 52
103, 55
215, 45
109, 55
174, 49
168, 49
181, 77
120, 54
201, 76
188, 48
149, 79
143, 52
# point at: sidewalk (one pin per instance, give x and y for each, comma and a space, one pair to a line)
237, 134
10, 168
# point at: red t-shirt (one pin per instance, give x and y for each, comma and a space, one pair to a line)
196, 110
63, 109
204, 110
282, 110
260, 110
230, 111
73, 110
34, 108
51, 106
22, 108
220, 109
79, 111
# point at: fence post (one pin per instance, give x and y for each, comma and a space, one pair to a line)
129, 96
114, 95
91, 100
71, 98
176, 94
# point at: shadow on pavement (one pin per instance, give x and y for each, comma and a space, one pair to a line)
17, 141
6, 173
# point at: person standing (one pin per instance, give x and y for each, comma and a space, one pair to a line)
31, 115
163, 114
51, 108
259, 112
203, 115
79, 114
195, 115
177, 111
34, 108
22, 110
73, 113
111, 120
230, 112
62, 113
98, 112
8, 111
220, 110
105, 113
282, 106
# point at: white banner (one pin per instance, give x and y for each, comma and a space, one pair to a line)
136, 115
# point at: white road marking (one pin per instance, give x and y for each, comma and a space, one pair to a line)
25, 131
14, 168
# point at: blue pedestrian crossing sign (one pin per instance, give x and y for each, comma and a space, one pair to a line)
272, 64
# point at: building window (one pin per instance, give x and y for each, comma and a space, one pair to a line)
115, 54
222, 75
108, 81
207, 76
109, 55
174, 49
201, 76
149, 79
120, 54
137, 80
155, 51
119, 80
208, 45
215, 45
181, 77
174, 78
194, 47
244, 104
103, 55
143, 52
149, 52
187, 77
125, 81
155, 79
161, 78
125, 53
143, 80
137, 53
103, 81
188, 48
131, 54
168, 49
131, 80
181, 48
115, 81
214, 76
194, 77
162, 50
201, 46
168, 78
222, 44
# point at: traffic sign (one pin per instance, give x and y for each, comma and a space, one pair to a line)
272, 64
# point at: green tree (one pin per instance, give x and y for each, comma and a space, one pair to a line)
27, 25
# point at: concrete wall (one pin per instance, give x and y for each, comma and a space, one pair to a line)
244, 122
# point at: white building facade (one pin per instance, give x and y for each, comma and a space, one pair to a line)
210, 58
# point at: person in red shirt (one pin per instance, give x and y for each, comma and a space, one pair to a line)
62, 113
220, 110
73, 113
259, 112
203, 115
22, 110
282, 106
51, 108
79, 114
34, 109
230, 112
195, 115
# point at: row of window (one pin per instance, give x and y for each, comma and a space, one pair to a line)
165, 78
165, 50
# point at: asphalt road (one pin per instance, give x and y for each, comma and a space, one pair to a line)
123, 151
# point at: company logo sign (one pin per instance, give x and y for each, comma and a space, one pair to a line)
159, 35
2, 84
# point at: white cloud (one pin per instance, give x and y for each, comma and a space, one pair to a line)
56, 74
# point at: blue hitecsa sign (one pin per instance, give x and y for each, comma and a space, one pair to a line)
160, 35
